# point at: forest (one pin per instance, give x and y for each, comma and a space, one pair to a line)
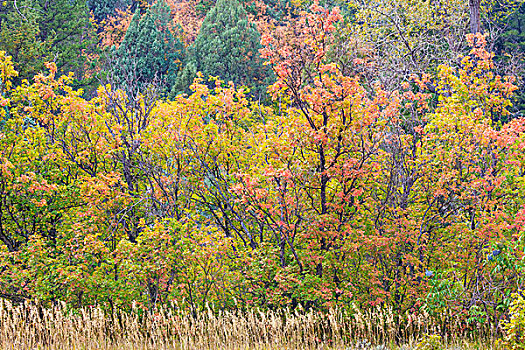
266, 174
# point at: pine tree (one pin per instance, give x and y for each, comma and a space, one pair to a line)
101, 9
228, 47
34, 32
149, 52
275, 9
514, 40
68, 34
20, 37
511, 45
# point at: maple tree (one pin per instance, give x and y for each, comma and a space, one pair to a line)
354, 185
185, 14
115, 28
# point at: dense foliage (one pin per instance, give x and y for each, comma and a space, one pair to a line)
35, 32
385, 167
102, 9
228, 47
149, 53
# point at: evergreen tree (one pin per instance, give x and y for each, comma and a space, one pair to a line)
512, 43
149, 52
101, 9
228, 47
34, 32
20, 37
275, 9
68, 33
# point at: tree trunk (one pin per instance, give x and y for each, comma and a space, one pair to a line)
475, 19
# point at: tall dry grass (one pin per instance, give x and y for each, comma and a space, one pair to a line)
30, 326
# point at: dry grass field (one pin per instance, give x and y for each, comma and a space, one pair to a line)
34, 327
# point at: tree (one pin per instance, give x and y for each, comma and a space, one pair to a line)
509, 47
20, 37
68, 34
114, 29
149, 52
57, 31
396, 38
475, 20
101, 9
228, 47
364, 185
341, 192
186, 15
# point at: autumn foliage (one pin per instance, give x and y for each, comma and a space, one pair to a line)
338, 192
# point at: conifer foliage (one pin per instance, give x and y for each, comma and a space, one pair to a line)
101, 9
59, 31
510, 48
228, 46
150, 53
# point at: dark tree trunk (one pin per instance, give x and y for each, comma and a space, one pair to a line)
475, 19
